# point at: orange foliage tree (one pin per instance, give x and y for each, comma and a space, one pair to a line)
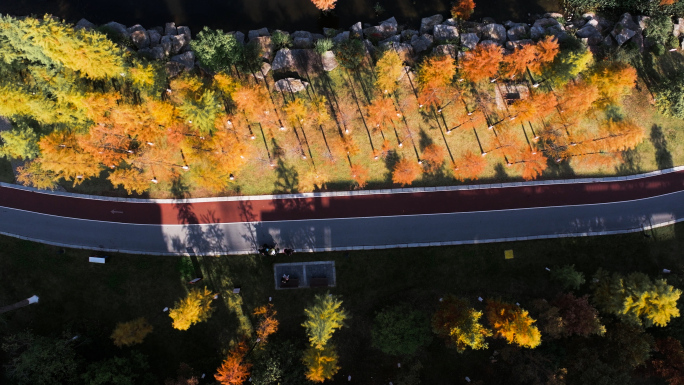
380, 112
577, 98
234, 370
267, 323
437, 72
324, 5
470, 166
433, 157
405, 172
482, 62
613, 80
530, 163
360, 175
462, 9
512, 323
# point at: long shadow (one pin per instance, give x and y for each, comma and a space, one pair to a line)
425, 140
662, 155
390, 160
558, 170
287, 179
631, 163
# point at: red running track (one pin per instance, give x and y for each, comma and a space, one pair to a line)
342, 207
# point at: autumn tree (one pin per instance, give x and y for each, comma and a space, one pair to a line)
668, 361
388, 70
437, 72
578, 316
513, 324
19, 143
324, 5
470, 166
323, 318
517, 62
359, 174
131, 333
194, 308
380, 112
185, 376
234, 370
267, 324
321, 364
400, 330
433, 157
613, 80
460, 325
530, 163
462, 9
577, 98
567, 65
635, 299
405, 171
481, 63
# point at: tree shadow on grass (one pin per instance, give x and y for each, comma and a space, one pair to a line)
287, 179
425, 139
631, 163
390, 161
662, 155
558, 170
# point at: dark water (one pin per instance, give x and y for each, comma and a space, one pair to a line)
289, 15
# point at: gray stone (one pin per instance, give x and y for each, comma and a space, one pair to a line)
470, 40
403, 49
329, 61
445, 50
154, 36
187, 59
154, 53
560, 35
265, 47
390, 40
135, 28
119, 28
421, 43
290, 85
609, 41
391, 22
84, 24
239, 37
588, 31
158, 29
253, 34
265, 69
380, 32
517, 32
622, 34
495, 32
284, 60
547, 22
428, 23
368, 45
509, 24
141, 39
451, 22
302, 42
513, 45
408, 34
178, 42
554, 15
301, 35
628, 22
185, 31
537, 32
343, 36
170, 29
491, 42
446, 32
317, 36
488, 20
166, 44
174, 69
643, 21
679, 28
330, 32
357, 29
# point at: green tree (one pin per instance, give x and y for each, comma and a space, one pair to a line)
19, 143
350, 53
215, 49
323, 317
194, 308
128, 370
279, 363
321, 363
37, 360
460, 324
400, 330
568, 277
636, 299
202, 112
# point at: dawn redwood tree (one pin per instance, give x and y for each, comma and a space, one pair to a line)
131, 333
400, 330
462, 9
359, 174
388, 70
481, 63
530, 163
267, 324
324, 5
460, 325
512, 323
469, 166
613, 80
405, 171
321, 364
433, 157
234, 370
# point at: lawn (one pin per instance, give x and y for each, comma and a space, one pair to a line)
77, 297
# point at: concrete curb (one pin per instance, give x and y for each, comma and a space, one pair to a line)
353, 193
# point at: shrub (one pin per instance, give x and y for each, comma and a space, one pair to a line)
568, 277
324, 45
400, 330
280, 40
215, 49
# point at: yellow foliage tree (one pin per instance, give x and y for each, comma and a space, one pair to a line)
457, 322
131, 333
194, 308
512, 323
387, 71
321, 364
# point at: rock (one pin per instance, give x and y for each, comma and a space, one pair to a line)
537, 32
118, 28
301, 35
628, 22
608, 41
356, 29
265, 69
302, 42
185, 31
488, 20
391, 39
166, 44
679, 28
330, 32
554, 15
491, 42
428, 23
317, 36
546, 23
408, 34
253, 34
509, 24
170, 29
368, 45
445, 50
284, 60
154, 36
158, 29
290, 85
470, 40
343, 36
622, 34
155, 53
643, 21
329, 61
391, 22
446, 32
517, 32
382, 31
421, 43
178, 42
141, 39
84, 24
135, 28
404, 50
174, 69
588, 31
513, 45
495, 32
187, 59
450, 22
265, 47
239, 37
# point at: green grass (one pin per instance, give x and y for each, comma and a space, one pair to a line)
90, 299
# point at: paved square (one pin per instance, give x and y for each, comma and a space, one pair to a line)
304, 272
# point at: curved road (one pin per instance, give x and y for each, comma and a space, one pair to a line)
346, 220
